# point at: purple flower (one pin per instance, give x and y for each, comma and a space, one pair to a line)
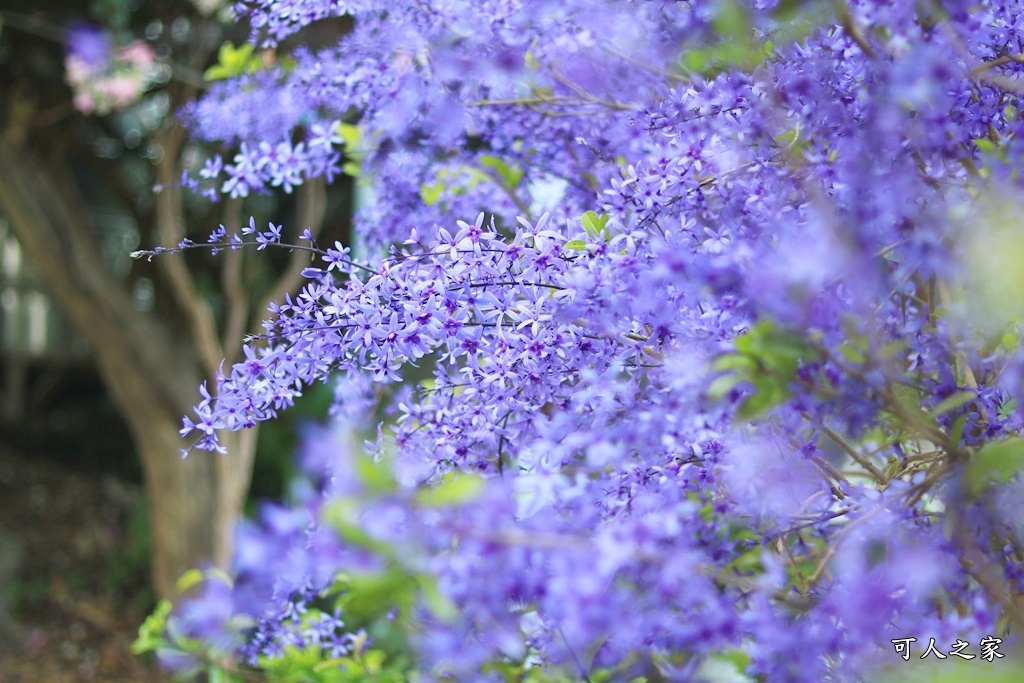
721, 398
90, 44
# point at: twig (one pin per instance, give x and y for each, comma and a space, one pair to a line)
876, 473
849, 24
999, 61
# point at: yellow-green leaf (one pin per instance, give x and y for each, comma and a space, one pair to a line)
232, 61
595, 224
189, 580
454, 489
995, 462
722, 386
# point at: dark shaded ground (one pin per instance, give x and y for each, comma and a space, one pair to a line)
72, 575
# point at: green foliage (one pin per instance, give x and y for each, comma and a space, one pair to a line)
355, 148
365, 601
507, 176
996, 462
369, 595
233, 61
311, 666
737, 46
989, 148
464, 178
767, 360
456, 181
369, 601
596, 225
157, 635
151, 633
454, 489
953, 402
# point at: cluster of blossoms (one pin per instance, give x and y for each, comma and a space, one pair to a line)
717, 373
105, 79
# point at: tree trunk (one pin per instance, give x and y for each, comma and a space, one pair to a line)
193, 507
149, 371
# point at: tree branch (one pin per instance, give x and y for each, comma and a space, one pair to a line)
46, 213
170, 230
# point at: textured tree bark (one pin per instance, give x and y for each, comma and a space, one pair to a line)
151, 372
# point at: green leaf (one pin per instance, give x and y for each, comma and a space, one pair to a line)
431, 194
749, 562
376, 478
985, 146
356, 149
735, 361
352, 136
768, 358
767, 396
509, 672
576, 245
596, 224
787, 10
371, 595
852, 354
995, 462
736, 48
954, 401
453, 489
779, 351
151, 633
348, 527
1008, 408
956, 434
233, 61
188, 580
344, 663
718, 668
509, 175
374, 660
732, 21
343, 515
721, 386
439, 604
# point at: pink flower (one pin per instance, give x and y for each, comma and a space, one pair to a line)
85, 102
138, 54
122, 90
76, 70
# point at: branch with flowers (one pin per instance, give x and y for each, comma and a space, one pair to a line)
753, 403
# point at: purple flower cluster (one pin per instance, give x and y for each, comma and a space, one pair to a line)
701, 380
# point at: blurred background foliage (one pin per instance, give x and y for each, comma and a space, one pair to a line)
68, 450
